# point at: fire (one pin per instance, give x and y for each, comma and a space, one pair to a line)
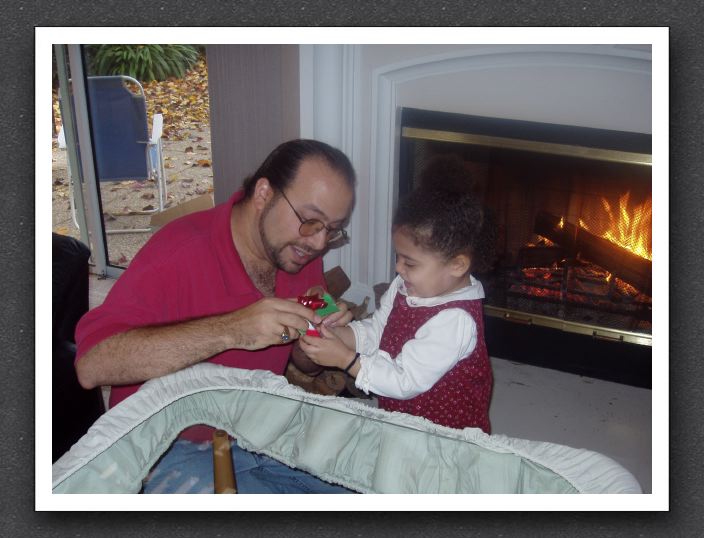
629, 229
542, 241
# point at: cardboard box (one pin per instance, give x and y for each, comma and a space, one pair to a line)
191, 206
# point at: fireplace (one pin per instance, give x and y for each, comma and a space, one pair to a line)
572, 282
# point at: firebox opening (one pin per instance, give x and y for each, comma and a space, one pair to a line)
573, 208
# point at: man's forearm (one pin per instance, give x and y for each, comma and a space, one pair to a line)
148, 352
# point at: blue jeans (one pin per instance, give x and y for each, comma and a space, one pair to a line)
188, 468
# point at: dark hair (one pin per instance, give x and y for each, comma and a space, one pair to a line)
445, 215
281, 165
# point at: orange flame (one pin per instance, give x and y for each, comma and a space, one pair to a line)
544, 241
628, 229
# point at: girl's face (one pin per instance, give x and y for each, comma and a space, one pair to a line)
427, 273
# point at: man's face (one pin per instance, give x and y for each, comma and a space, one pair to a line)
317, 192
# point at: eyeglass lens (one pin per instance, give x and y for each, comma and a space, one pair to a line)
313, 226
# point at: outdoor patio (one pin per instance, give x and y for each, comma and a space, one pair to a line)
129, 205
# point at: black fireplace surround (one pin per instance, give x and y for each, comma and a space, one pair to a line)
525, 171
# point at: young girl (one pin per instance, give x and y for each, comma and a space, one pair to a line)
423, 350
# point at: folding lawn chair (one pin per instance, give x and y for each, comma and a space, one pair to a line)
122, 145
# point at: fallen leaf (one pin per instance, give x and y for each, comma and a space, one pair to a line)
169, 165
62, 230
189, 149
184, 102
148, 196
205, 163
148, 208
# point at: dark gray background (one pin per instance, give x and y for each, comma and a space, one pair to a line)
17, 329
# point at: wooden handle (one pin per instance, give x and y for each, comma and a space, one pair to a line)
223, 471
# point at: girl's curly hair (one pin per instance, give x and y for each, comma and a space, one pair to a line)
446, 216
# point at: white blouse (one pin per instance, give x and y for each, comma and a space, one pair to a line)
439, 344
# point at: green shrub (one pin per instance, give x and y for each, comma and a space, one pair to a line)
143, 62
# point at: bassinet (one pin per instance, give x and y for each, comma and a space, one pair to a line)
337, 439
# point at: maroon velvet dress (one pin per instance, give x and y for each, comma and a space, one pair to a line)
460, 399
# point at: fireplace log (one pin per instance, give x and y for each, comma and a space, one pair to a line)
575, 240
540, 256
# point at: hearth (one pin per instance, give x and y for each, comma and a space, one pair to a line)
572, 283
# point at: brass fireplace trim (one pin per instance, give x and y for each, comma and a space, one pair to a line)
529, 145
601, 333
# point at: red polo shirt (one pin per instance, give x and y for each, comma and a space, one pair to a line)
190, 269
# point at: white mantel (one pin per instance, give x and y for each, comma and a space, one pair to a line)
351, 94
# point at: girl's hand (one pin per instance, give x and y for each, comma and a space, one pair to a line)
338, 319
328, 350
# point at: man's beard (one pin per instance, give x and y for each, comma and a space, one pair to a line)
275, 252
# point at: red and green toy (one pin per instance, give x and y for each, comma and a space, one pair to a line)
322, 306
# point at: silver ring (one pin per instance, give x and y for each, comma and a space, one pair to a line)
285, 336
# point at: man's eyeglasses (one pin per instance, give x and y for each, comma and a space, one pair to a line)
313, 226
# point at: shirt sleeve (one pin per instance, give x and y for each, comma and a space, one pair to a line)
148, 292
367, 332
436, 348
130, 303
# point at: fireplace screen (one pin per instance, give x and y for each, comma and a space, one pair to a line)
573, 231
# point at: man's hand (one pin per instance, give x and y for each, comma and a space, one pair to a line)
315, 290
148, 352
262, 324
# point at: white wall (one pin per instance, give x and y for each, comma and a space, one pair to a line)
350, 95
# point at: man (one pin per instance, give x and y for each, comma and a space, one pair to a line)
220, 285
